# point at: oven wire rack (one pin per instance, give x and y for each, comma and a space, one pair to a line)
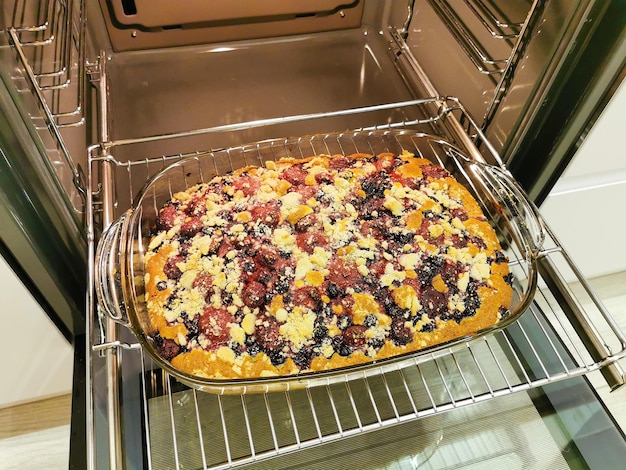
560, 336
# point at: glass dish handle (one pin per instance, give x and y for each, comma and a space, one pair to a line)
108, 272
516, 202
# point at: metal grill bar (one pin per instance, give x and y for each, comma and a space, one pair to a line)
224, 430
199, 424
462, 375
576, 350
173, 422
315, 420
497, 361
474, 50
146, 414
296, 118
354, 407
493, 24
518, 362
408, 392
334, 409
271, 421
247, 422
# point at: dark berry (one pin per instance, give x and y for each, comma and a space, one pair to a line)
354, 336
192, 326
282, 285
169, 349
504, 312
402, 238
249, 251
343, 273
303, 357
320, 333
253, 294
434, 171
450, 272
268, 257
264, 277
376, 343
339, 163
375, 184
307, 297
459, 213
394, 311
196, 207
295, 175
501, 257
479, 242
185, 245
166, 218
341, 347
249, 266
323, 178
434, 303
170, 301
191, 227
213, 322
334, 291
472, 300
253, 349
400, 334
161, 285
268, 337
171, 270
429, 269
277, 357
305, 223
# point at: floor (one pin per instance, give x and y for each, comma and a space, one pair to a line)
36, 435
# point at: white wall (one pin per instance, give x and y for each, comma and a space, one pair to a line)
36, 360
587, 207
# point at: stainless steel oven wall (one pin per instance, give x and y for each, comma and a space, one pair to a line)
145, 24
531, 72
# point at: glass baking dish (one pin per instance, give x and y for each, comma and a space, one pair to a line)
120, 254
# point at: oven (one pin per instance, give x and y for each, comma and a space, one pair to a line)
100, 95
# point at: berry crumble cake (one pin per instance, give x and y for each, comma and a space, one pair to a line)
314, 264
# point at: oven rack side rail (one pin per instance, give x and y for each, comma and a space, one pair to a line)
562, 335
499, 28
48, 40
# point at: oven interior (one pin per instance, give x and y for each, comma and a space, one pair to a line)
141, 84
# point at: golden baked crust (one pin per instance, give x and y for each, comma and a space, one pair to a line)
320, 263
